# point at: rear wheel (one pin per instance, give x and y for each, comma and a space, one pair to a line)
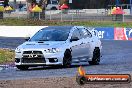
96, 57
22, 67
53, 8
67, 60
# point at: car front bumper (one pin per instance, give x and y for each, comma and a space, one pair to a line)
49, 59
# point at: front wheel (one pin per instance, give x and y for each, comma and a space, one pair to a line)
67, 60
22, 67
96, 57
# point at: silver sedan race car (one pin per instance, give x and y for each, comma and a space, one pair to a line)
59, 45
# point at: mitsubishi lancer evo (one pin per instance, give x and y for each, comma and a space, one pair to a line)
59, 45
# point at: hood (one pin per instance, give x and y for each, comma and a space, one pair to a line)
42, 45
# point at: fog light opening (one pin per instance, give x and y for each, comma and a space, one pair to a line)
17, 60
52, 60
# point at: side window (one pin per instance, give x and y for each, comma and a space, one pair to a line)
85, 33
89, 34
76, 34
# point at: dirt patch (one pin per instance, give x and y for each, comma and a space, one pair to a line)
56, 82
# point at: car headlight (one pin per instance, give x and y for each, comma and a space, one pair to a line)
18, 50
53, 50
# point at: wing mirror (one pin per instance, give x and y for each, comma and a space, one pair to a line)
27, 38
74, 39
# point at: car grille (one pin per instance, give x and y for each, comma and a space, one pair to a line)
32, 52
33, 57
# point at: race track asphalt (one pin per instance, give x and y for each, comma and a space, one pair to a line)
116, 58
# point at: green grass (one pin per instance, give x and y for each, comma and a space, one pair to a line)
33, 22
6, 56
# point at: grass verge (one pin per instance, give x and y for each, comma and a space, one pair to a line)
33, 22
6, 56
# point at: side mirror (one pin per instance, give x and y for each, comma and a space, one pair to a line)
27, 38
74, 39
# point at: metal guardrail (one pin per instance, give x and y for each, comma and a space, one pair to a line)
70, 15
124, 6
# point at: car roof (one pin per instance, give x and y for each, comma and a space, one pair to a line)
66, 26
69, 27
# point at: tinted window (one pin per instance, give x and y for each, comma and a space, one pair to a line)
85, 33
89, 34
52, 34
76, 34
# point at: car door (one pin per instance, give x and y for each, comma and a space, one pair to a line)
75, 45
92, 43
85, 43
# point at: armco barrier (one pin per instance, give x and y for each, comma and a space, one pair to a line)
129, 33
122, 34
117, 33
19, 31
105, 33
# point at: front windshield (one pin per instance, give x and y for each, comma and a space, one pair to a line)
51, 34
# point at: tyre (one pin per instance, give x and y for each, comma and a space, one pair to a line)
53, 8
67, 60
22, 67
81, 80
96, 57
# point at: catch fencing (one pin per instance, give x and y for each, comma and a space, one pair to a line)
72, 15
